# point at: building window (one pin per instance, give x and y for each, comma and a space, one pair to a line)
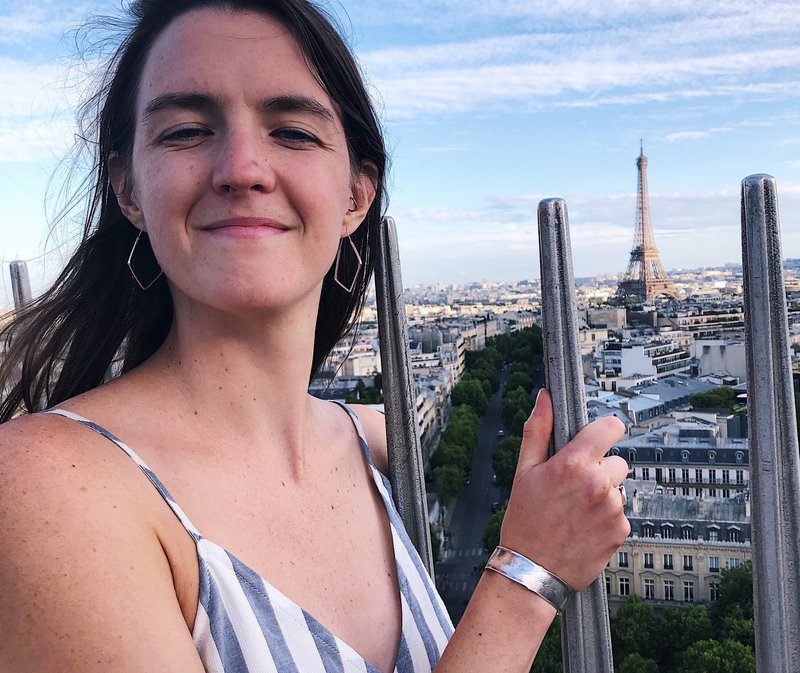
713, 564
667, 561
624, 586
646, 473
669, 590
726, 493
698, 492
623, 559
688, 562
671, 475
650, 589
684, 456
712, 492
648, 559
726, 476
698, 476
685, 476
685, 490
713, 591
713, 535
687, 533
631, 455
666, 532
739, 457
740, 477
659, 453
608, 585
712, 476
688, 592
647, 530
734, 562
712, 456
733, 535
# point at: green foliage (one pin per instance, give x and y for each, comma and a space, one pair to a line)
515, 400
470, 391
449, 481
678, 629
712, 656
366, 395
636, 663
450, 454
548, 658
632, 629
504, 461
518, 422
735, 596
519, 379
723, 397
491, 535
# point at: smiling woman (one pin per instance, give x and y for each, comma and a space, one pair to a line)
240, 178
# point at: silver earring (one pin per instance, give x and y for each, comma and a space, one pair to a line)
355, 206
142, 285
359, 264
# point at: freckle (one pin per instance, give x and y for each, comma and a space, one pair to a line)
83, 488
220, 387
73, 465
180, 362
195, 412
480, 635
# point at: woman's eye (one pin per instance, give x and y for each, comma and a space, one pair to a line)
295, 136
184, 134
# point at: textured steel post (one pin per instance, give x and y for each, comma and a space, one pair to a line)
405, 455
585, 630
774, 457
20, 283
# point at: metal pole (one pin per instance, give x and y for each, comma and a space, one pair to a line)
402, 431
774, 457
20, 283
585, 630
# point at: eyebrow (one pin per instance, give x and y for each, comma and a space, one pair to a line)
202, 102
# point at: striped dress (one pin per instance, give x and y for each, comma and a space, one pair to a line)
245, 625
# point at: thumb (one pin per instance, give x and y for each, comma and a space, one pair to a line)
536, 434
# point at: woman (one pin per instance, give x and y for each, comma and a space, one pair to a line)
240, 181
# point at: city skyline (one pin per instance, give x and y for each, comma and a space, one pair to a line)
489, 107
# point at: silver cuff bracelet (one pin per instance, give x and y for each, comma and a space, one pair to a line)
530, 575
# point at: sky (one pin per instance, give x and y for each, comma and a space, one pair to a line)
488, 106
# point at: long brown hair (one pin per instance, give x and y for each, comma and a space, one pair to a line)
95, 315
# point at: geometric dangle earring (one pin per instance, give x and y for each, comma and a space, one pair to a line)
359, 264
144, 286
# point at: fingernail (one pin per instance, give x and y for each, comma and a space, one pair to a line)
538, 395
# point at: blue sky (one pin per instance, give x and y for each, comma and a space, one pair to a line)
490, 106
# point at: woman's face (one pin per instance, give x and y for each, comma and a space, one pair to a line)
240, 172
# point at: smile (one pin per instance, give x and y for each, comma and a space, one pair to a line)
245, 227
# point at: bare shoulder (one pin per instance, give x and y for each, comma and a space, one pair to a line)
374, 424
83, 572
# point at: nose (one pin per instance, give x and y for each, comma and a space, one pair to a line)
241, 164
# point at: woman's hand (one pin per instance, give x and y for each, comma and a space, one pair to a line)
566, 512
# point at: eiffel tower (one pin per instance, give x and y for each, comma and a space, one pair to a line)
645, 278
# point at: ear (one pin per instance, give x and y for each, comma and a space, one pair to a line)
123, 190
363, 193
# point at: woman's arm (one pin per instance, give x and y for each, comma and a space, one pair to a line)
86, 583
566, 515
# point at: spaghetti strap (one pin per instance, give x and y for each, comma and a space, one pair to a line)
187, 524
362, 437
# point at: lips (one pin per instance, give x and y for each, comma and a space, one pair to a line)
245, 223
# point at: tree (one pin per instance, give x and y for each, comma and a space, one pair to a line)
491, 534
724, 397
449, 481
469, 391
515, 400
636, 663
735, 596
677, 630
504, 461
450, 454
712, 656
632, 629
519, 380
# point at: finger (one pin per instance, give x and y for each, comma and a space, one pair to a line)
595, 439
616, 468
536, 433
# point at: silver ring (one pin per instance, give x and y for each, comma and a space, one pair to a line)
621, 489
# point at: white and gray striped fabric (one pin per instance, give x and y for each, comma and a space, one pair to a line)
245, 625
